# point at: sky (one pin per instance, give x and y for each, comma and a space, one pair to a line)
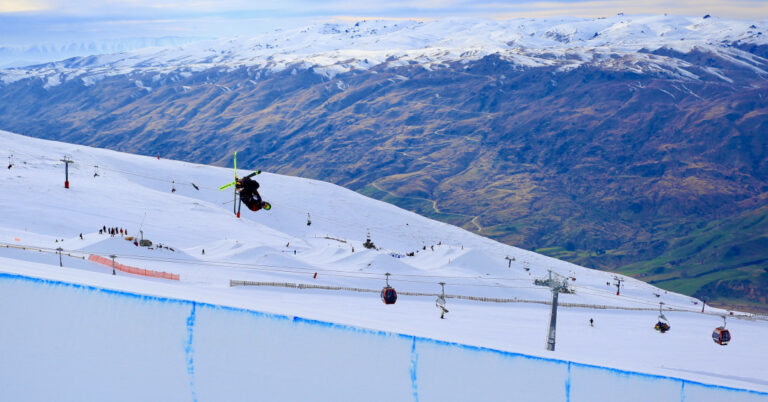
25, 22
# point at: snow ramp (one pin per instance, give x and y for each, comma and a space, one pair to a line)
71, 342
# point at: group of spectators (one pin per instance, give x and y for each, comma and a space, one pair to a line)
113, 231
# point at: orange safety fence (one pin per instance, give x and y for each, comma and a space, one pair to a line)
133, 270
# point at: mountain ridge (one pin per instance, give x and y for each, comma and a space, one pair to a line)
612, 164
333, 48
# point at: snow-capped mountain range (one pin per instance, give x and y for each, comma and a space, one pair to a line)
618, 43
38, 53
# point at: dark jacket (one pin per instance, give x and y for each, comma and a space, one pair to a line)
249, 193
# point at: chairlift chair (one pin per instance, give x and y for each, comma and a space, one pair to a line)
720, 335
388, 293
662, 325
440, 302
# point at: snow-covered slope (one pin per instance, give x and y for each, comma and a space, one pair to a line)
619, 42
38, 53
208, 246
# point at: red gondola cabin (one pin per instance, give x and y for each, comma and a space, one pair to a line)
388, 295
721, 336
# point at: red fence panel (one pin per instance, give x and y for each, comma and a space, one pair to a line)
133, 270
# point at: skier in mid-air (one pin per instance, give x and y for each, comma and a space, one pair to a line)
249, 194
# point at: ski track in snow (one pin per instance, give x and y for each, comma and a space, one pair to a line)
134, 192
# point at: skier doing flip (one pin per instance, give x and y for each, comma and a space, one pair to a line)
249, 194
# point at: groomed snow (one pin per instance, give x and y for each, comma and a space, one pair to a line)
135, 193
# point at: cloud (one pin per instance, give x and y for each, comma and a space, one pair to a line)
21, 6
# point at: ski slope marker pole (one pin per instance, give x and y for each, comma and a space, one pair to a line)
66, 161
113, 263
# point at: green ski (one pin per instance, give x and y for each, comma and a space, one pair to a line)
228, 185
